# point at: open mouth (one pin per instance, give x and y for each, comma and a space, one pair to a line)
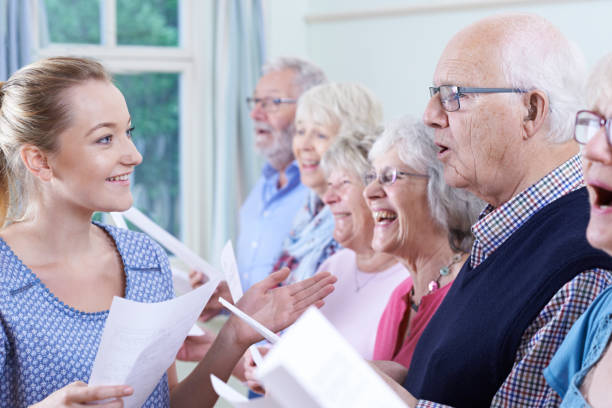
309, 164
384, 216
442, 148
603, 197
339, 215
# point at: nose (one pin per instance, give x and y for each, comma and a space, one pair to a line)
258, 113
373, 191
435, 116
598, 149
131, 156
303, 142
330, 196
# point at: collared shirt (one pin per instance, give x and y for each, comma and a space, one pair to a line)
525, 385
265, 221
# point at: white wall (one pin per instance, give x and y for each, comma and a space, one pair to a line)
392, 46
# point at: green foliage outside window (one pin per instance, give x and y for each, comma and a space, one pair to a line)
147, 22
73, 21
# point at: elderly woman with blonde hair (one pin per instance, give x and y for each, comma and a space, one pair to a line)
581, 370
323, 113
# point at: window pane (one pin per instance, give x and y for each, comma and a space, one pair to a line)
73, 21
147, 22
152, 99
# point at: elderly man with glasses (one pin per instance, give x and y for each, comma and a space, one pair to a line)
506, 90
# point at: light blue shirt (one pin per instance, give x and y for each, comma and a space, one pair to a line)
265, 221
583, 346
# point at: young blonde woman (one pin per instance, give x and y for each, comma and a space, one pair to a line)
66, 152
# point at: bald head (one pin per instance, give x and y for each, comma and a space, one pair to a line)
527, 51
497, 141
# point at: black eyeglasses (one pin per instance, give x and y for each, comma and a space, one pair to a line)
588, 124
387, 176
268, 104
450, 94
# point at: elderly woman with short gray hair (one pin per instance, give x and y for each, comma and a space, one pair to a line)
423, 223
365, 278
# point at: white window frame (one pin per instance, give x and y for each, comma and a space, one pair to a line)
189, 60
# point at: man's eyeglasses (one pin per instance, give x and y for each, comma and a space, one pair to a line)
450, 94
268, 104
388, 175
587, 125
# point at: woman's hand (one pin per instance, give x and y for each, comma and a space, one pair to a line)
249, 371
78, 394
276, 307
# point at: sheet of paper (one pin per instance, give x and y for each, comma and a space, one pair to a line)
238, 400
118, 220
140, 340
313, 361
230, 271
171, 243
232, 277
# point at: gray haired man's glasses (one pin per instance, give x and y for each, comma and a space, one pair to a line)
387, 176
268, 104
588, 124
450, 94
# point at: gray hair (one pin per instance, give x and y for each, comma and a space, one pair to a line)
349, 153
536, 55
599, 84
351, 107
307, 74
455, 210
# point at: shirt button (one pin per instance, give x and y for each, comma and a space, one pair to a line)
245, 275
266, 213
254, 244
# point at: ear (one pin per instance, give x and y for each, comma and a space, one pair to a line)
536, 112
35, 161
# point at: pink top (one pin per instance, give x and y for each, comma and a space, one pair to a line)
392, 326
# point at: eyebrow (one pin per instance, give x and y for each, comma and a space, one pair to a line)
104, 124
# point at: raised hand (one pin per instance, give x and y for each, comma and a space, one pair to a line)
276, 307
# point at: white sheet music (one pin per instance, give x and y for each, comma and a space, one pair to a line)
313, 362
140, 340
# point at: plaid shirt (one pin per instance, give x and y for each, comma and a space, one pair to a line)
525, 385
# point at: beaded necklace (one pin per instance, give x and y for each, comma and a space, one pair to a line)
435, 284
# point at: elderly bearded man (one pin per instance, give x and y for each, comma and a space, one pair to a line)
505, 94
265, 216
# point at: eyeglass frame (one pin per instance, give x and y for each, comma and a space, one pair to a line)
604, 122
268, 102
461, 90
394, 173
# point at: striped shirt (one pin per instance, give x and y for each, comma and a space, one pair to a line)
525, 386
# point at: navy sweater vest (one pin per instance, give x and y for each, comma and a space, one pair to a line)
470, 344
